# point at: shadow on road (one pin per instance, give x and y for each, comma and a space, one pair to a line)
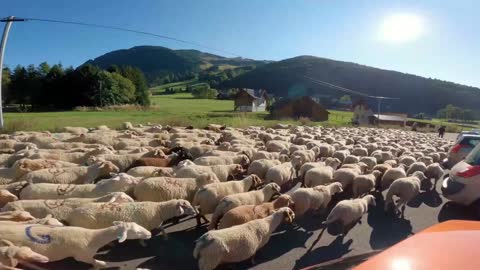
334, 250
451, 210
387, 229
430, 198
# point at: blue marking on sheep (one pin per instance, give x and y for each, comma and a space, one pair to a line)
42, 238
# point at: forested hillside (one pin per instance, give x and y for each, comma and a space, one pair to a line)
162, 65
416, 94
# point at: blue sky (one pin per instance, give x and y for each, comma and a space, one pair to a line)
344, 30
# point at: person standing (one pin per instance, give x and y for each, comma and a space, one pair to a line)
441, 131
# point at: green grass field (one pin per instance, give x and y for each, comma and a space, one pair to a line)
176, 85
177, 109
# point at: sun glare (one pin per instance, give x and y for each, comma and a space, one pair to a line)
401, 28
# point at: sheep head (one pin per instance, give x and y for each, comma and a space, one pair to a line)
370, 199
272, 189
49, 220
333, 162
256, 181
25, 254
287, 213
237, 169
335, 188
376, 173
207, 178
16, 216
119, 197
185, 208
283, 201
162, 173
106, 168
419, 175
284, 158
123, 177
6, 197
130, 230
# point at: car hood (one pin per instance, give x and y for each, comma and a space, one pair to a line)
445, 246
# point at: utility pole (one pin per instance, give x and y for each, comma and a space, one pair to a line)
8, 24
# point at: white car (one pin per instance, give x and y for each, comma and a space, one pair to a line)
463, 183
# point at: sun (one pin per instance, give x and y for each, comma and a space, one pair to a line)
401, 28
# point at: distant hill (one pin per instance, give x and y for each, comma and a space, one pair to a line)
160, 63
416, 94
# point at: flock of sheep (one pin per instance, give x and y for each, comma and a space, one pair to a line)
69, 194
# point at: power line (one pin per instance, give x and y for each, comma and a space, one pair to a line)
122, 29
345, 89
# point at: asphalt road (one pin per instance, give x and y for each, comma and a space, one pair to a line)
291, 247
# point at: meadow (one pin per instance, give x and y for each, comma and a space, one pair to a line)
177, 109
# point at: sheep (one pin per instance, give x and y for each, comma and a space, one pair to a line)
72, 175
224, 246
11, 255
280, 174
209, 196
351, 159
127, 125
58, 243
391, 162
406, 188
222, 172
124, 161
252, 197
209, 161
417, 167
426, 160
346, 175
341, 154
47, 220
160, 189
260, 167
60, 209
360, 152
391, 175
6, 197
168, 161
314, 198
277, 145
349, 212
382, 167
148, 171
149, 215
369, 161
407, 160
16, 216
318, 176
78, 158
75, 130
245, 213
365, 183
434, 171
118, 183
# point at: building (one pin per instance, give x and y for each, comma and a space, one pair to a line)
389, 119
361, 113
251, 100
299, 107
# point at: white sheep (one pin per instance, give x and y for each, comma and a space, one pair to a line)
318, 176
60, 209
407, 160
222, 172
417, 167
370, 161
72, 175
149, 171
434, 171
160, 189
225, 246
406, 188
224, 160
365, 183
260, 167
349, 212
391, 175
58, 243
209, 196
351, 159
118, 183
11, 255
280, 174
314, 198
149, 215
6, 197
252, 197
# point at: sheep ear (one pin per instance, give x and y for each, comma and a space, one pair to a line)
101, 165
180, 209
4, 242
122, 236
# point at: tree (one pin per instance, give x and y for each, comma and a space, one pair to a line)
419, 116
204, 92
142, 94
6, 73
43, 68
113, 89
346, 99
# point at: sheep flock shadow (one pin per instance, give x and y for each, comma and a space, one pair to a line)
336, 249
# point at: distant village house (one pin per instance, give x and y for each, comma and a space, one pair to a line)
299, 107
389, 119
251, 100
361, 113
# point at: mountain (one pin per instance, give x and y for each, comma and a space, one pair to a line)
415, 94
160, 63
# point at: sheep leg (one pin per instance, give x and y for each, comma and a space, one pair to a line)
403, 211
97, 264
162, 232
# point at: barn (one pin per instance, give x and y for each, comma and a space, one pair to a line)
299, 107
251, 100
389, 119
